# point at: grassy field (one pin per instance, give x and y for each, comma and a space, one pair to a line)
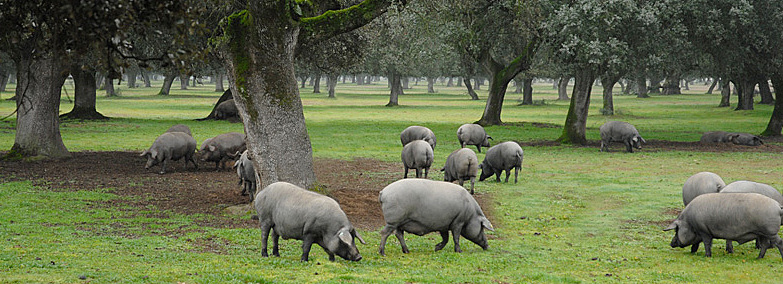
576, 215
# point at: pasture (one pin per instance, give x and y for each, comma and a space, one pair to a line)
576, 215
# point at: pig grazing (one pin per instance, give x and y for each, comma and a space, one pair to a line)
247, 175
418, 133
170, 146
740, 217
218, 149
295, 213
421, 206
461, 164
618, 131
473, 134
502, 157
226, 109
701, 183
753, 187
180, 128
736, 138
417, 155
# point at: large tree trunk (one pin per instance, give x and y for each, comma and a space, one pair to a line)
431, 85
672, 85
576, 120
745, 88
395, 82
501, 76
450, 82
775, 124
183, 81
145, 76
765, 92
3, 79
562, 88
471, 92
608, 82
655, 85
527, 91
168, 80
131, 74
712, 86
108, 85
84, 94
725, 93
260, 65
219, 82
316, 83
641, 83
41, 77
331, 83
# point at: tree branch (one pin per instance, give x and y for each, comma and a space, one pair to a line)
335, 22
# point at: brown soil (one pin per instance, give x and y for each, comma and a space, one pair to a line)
354, 184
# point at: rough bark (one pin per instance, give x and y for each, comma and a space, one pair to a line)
641, 83
431, 85
471, 92
775, 124
725, 93
219, 82
395, 82
562, 89
331, 83
145, 76
671, 86
84, 94
183, 81
108, 85
131, 80
608, 82
527, 91
576, 119
168, 80
712, 86
40, 79
745, 88
316, 81
765, 92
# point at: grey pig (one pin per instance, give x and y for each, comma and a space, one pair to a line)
736, 138
744, 186
701, 183
502, 157
180, 128
226, 109
421, 206
295, 213
618, 131
418, 133
417, 155
170, 146
473, 134
740, 217
461, 164
247, 174
218, 149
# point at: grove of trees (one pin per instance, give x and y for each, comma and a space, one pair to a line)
263, 46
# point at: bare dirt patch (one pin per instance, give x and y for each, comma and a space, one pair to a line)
354, 184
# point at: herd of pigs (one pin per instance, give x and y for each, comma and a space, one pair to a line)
741, 211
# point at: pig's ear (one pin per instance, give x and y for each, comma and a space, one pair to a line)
490, 137
759, 140
643, 141
672, 226
345, 236
154, 154
212, 148
356, 234
486, 224
144, 153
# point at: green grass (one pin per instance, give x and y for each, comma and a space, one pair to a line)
576, 215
